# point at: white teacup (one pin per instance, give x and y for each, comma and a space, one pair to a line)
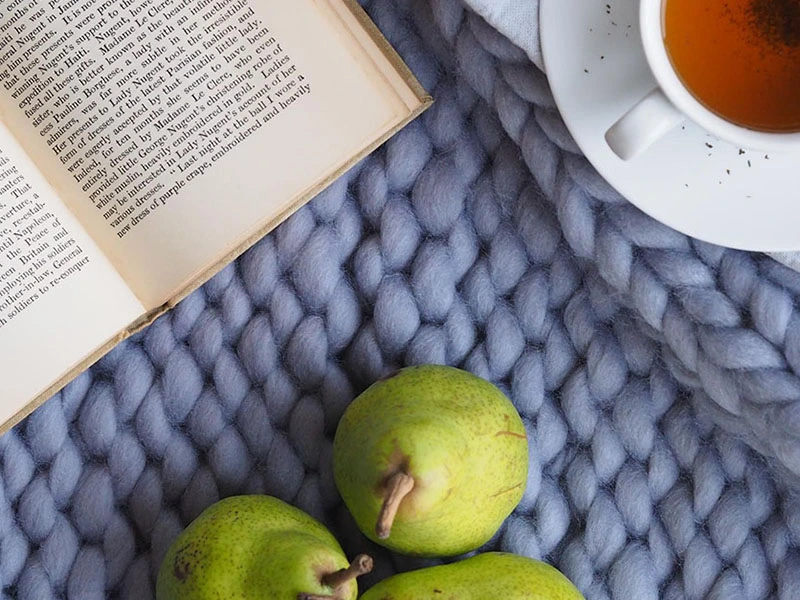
671, 103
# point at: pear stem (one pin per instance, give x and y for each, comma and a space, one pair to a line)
399, 486
361, 565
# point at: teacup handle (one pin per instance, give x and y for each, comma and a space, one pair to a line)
648, 121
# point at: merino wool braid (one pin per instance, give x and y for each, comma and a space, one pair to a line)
657, 376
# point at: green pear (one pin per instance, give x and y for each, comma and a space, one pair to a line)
490, 575
431, 461
254, 547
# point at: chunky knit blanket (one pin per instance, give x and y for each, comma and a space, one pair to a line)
657, 376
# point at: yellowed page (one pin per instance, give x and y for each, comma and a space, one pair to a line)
60, 298
174, 129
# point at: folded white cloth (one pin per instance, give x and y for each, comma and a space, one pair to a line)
518, 20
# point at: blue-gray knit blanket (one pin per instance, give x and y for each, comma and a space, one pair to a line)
657, 376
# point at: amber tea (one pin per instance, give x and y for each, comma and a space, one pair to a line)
739, 58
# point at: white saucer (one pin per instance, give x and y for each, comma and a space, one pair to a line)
689, 180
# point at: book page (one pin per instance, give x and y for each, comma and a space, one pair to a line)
60, 298
174, 129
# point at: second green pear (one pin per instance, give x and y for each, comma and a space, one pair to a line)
253, 547
431, 461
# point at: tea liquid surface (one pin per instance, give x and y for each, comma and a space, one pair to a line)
739, 58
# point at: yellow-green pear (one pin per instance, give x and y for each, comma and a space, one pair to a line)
255, 547
490, 575
431, 461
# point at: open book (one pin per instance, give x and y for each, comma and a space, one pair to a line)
144, 144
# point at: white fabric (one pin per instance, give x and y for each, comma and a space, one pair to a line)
517, 20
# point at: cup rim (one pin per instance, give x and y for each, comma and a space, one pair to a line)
652, 33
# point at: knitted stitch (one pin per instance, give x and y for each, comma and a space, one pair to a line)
657, 375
